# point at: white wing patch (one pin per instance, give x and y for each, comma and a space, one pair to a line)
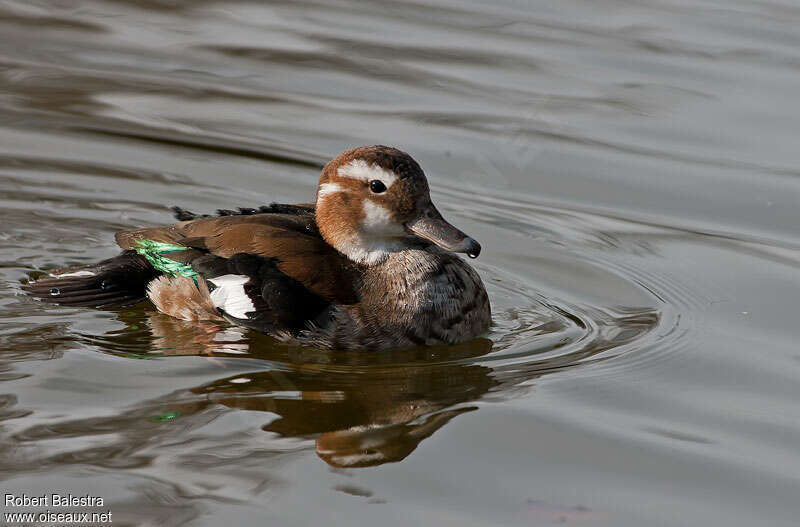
359, 169
229, 295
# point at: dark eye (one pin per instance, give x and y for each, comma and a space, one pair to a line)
377, 186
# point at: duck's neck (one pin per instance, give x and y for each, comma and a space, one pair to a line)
370, 252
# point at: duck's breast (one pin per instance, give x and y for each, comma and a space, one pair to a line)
433, 296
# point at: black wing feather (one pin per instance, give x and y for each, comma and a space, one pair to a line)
182, 214
118, 281
281, 302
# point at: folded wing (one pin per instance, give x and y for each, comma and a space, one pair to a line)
290, 238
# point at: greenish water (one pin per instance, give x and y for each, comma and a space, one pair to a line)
631, 170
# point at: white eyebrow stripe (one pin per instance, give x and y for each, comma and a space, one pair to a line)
359, 169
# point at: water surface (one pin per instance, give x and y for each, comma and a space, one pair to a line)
630, 170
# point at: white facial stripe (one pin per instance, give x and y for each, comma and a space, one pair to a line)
230, 296
376, 217
360, 170
329, 188
378, 235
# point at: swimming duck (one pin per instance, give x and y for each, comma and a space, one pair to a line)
369, 265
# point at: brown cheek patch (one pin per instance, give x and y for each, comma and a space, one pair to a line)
340, 213
348, 202
402, 200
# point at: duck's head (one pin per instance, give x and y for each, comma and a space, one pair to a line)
375, 200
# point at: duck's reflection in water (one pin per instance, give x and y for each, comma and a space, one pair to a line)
362, 417
366, 409
361, 409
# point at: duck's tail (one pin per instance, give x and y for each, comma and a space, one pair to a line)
118, 281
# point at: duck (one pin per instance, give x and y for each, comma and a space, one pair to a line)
371, 264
